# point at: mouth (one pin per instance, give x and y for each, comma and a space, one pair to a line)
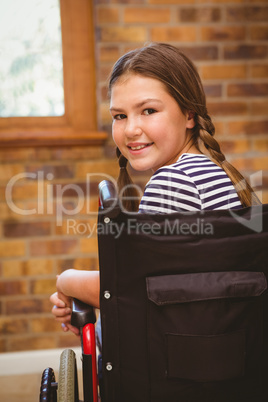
139, 147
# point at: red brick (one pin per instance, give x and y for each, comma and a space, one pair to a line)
219, 127
20, 343
28, 306
87, 263
227, 108
223, 71
257, 13
23, 190
53, 247
220, 1
44, 324
260, 89
220, 33
259, 70
104, 73
254, 164
248, 127
146, 15
52, 171
67, 340
106, 15
260, 145
10, 288
13, 326
12, 248
259, 32
89, 246
177, 2
235, 146
77, 189
109, 53
30, 267
3, 347
199, 15
236, 14
8, 170
245, 52
259, 107
201, 53
76, 153
174, 34
247, 14
26, 229
128, 2
77, 227
123, 34
43, 286
104, 93
213, 90
16, 154
109, 167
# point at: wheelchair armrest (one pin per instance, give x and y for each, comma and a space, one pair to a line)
82, 314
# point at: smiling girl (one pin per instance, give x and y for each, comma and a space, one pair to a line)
160, 123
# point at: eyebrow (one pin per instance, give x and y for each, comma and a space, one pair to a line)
138, 105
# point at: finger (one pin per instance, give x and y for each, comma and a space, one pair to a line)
61, 312
65, 299
64, 327
63, 320
54, 298
73, 329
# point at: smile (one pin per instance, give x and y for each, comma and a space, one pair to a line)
138, 147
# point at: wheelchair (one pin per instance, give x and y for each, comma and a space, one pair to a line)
66, 389
184, 307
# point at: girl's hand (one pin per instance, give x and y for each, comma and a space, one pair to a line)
62, 311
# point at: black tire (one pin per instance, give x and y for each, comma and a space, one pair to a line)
48, 388
67, 382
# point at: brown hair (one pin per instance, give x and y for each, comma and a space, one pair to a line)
169, 65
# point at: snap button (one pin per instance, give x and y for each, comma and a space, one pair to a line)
107, 294
109, 366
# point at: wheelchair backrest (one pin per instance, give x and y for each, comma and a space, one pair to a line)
184, 305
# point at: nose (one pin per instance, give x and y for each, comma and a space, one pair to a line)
132, 127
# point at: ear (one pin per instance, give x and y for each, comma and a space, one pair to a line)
190, 119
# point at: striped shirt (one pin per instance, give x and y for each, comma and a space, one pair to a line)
193, 183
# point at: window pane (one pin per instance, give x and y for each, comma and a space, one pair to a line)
31, 68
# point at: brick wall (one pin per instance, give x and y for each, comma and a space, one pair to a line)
228, 40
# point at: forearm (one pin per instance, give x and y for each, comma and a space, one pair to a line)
82, 285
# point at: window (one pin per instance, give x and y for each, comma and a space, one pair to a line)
31, 68
76, 121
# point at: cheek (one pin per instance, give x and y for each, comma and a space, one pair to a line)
115, 134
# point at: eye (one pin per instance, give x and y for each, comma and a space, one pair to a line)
149, 111
119, 116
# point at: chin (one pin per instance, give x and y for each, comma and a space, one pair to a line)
139, 168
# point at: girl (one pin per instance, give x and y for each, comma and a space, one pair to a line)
160, 122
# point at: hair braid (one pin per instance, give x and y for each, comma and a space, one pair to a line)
126, 188
245, 193
206, 133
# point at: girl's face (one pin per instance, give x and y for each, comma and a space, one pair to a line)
149, 127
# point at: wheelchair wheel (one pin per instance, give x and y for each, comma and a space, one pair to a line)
48, 388
67, 382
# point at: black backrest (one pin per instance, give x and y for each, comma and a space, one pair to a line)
184, 305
